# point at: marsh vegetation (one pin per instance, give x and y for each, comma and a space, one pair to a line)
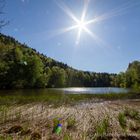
82, 121
83, 116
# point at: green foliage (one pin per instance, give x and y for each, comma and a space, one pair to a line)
67, 137
122, 120
132, 114
6, 138
34, 70
23, 67
57, 77
71, 123
121, 80
102, 127
56, 121
131, 78
19, 66
3, 113
134, 127
56, 99
18, 55
133, 72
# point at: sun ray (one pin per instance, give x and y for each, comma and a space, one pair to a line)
78, 36
61, 31
64, 30
67, 10
114, 12
81, 23
86, 3
97, 39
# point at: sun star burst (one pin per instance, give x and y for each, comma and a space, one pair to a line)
81, 24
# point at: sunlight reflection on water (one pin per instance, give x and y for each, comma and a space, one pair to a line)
99, 90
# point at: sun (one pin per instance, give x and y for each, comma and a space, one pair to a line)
81, 25
82, 22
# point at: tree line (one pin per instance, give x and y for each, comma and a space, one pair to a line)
131, 77
24, 67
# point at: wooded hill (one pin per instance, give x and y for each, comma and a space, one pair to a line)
24, 67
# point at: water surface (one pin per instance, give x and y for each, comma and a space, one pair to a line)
97, 90
76, 90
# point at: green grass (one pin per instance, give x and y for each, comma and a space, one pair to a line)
56, 121
71, 123
67, 137
61, 99
127, 115
3, 113
6, 138
132, 114
122, 120
102, 127
134, 127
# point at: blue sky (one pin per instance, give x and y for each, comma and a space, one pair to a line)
36, 22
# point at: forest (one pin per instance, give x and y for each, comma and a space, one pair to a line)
24, 67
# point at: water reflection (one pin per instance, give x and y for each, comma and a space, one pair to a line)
99, 90
76, 90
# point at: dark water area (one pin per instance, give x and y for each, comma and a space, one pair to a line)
56, 91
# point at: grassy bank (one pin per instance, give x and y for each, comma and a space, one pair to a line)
83, 116
63, 99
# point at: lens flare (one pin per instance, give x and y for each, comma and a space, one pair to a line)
81, 24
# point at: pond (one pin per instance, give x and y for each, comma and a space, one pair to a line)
94, 90
72, 90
